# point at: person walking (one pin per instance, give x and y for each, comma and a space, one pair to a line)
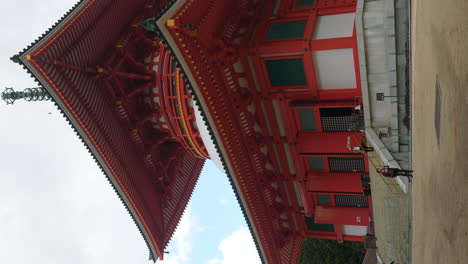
388, 172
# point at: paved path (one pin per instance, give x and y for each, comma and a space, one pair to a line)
392, 220
440, 186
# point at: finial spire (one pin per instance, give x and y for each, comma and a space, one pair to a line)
28, 94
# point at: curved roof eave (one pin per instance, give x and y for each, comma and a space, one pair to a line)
161, 19
22, 60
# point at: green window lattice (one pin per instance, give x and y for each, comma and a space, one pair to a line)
286, 30
323, 198
307, 118
316, 163
304, 3
286, 72
319, 227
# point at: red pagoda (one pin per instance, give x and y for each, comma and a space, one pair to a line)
269, 90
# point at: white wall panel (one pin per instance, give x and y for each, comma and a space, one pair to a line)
354, 230
207, 140
334, 69
334, 26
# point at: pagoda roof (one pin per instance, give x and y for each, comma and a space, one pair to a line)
188, 57
90, 28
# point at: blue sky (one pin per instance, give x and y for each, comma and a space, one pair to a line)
55, 204
219, 234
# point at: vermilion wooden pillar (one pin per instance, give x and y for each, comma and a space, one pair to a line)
332, 142
342, 215
347, 182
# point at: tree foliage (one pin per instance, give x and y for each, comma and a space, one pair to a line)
324, 251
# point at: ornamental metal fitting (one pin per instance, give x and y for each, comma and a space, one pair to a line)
28, 94
150, 24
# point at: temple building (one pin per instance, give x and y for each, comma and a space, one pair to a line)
276, 93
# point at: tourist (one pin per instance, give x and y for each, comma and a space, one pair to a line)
388, 172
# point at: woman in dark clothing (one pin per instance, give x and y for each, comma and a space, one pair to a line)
386, 171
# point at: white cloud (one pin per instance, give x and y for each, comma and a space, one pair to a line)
180, 247
55, 204
238, 247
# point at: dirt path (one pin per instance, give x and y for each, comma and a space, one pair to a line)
440, 187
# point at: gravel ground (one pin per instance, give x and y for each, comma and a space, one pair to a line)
440, 207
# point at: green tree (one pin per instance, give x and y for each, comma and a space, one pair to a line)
324, 251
